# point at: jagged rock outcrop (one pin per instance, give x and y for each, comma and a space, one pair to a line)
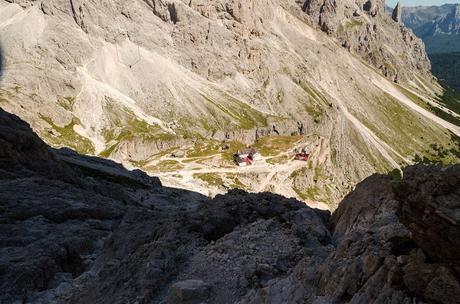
402, 223
388, 245
396, 15
364, 27
105, 235
327, 13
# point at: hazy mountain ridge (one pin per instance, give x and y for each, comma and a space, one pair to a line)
438, 26
136, 81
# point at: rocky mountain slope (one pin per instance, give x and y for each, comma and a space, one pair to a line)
135, 81
79, 229
438, 26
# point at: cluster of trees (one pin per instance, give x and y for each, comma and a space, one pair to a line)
446, 67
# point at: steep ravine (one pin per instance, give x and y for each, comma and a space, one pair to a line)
78, 229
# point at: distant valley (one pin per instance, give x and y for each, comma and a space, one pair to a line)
439, 28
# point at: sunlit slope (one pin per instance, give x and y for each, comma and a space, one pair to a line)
122, 82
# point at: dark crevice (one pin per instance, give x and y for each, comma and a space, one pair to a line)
401, 245
172, 12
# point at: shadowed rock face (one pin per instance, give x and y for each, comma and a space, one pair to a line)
79, 229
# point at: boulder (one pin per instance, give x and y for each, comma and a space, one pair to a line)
189, 291
178, 154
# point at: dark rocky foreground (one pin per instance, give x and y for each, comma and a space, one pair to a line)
77, 229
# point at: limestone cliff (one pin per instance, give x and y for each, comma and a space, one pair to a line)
365, 28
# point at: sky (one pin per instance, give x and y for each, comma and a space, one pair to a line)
392, 3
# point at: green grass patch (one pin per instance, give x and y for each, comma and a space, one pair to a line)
450, 99
278, 160
233, 109
6, 96
378, 162
446, 116
235, 182
406, 131
17, 89
319, 174
438, 154
334, 155
414, 97
314, 111
139, 163
212, 179
315, 94
348, 25
140, 128
316, 104
311, 193
162, 153
395, 174
320, 191
280, 96
2, 98
297, 173
234, 147
273, 145
66, 136
165, 166
107, 152
126, 126
67, 103
204, 149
